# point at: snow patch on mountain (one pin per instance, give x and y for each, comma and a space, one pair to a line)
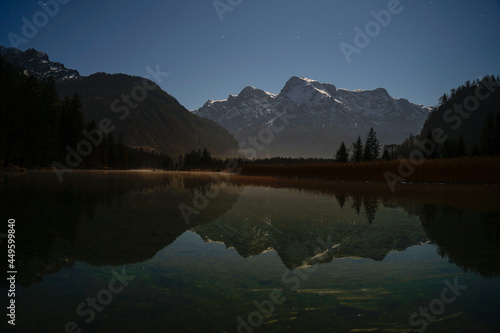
38, 64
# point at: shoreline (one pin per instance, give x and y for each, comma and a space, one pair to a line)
480, 171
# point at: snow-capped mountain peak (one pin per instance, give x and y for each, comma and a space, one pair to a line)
304, 90
319, 111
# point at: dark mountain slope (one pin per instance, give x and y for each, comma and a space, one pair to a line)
458, 115
158, 123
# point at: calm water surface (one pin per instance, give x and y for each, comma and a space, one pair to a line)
111, 252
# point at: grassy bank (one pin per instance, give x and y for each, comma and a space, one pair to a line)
466, 170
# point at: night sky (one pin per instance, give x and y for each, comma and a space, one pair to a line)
427, 48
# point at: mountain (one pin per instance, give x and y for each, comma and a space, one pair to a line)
158, 123
38, 64
154, 121
75, 209
317, 117
463, 112
301, 236
312, 242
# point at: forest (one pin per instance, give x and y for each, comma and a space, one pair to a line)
41, 130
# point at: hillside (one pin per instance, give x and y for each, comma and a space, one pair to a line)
458, 114
158, 123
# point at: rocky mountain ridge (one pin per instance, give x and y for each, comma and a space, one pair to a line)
322, 116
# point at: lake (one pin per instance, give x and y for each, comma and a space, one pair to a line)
183, 252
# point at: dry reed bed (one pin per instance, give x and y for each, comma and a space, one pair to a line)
466, 170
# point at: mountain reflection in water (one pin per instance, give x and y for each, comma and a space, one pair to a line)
119, 218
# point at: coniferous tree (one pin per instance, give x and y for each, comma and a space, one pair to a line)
372, 146
407, 146
94, 159
64, 126
122, 153
77, 116
356, 204
386, 156
432, 145
391, 152
179, 163
371, 207
474, 151
48, 129
487, 145
497, 134
461, 149
341, 200
11, 115
140, 158
206, 158
27, 118
449, 148
70, 123
443, 99
30, 120
112, 151
357, 150
342, 155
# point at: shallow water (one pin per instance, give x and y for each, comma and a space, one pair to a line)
257, 255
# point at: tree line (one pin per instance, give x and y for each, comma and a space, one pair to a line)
200, 159
489, 145
470, 128
472, 133
370, 151
35, 124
